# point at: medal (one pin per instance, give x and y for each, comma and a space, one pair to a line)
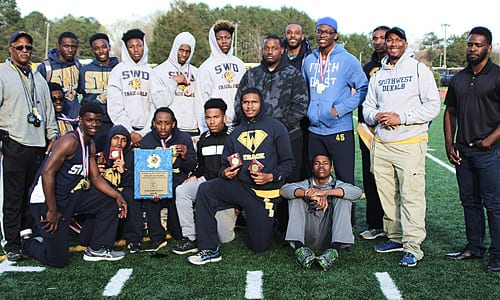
234, 160
188, 91
115, 154
320, 88
255, 166
85, 183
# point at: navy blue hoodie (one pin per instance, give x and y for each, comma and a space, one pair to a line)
66, 75
265, 139
93, 84
126, 179
185, 166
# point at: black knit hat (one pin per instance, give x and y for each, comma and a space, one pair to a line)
133, 34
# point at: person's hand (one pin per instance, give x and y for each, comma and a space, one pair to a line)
122, 207
321, 203
334, 112
136, 139
481, 144
180, 79
181, 150
388, 120
230, 172
453, 155
119, 164
49, 147
51, 221
261, 178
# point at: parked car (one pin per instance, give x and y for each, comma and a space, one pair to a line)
446, 74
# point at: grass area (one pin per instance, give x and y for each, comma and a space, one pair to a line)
351, 278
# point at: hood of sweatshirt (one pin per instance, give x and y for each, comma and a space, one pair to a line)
117, 129
53, 55
113, 61
127, 59
216, 52
183, 38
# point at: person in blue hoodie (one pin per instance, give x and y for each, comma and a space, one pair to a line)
62, 67
164, 134
93, 82
332, 74
257, 158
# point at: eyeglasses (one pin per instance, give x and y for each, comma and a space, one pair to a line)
60, 99
395, 41
21, 47
321, 32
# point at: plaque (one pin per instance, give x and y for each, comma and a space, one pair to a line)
152, 173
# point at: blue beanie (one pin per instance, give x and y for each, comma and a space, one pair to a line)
327, 21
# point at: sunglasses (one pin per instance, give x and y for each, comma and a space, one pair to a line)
21, 47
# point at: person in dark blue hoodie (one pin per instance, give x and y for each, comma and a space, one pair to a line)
93, 82
164, 134
62, 67
257, 158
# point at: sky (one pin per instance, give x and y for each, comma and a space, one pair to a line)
353, 16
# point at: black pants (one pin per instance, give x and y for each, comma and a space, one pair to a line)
19, 166
218, 194
54, 249
374, 211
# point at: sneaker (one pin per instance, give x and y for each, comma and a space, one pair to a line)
134, 247
305, 257
408, 260
205, 256
390, 246
155, 246
186, 246
372, 234
328, 258
102, 254
14, 256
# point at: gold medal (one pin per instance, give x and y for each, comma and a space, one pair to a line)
255, 167
85, 183
115, 154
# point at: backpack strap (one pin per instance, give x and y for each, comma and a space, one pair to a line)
48, 70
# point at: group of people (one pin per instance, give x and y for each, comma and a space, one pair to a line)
275, 143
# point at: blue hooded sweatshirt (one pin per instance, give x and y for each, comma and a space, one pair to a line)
342, 75
93, 84
66, 75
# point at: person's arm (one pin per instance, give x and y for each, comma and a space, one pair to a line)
299, 103
490, 140
358, 82
103, 186
345, 191
449, 127
64, 148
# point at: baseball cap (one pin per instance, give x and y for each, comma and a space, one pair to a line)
19, 34
397, 31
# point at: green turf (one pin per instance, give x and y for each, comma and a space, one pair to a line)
352, 277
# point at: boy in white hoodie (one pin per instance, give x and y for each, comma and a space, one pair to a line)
219, 76
178, 78
131, 86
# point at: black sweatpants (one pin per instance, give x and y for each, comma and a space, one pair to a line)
54, 249
218, 194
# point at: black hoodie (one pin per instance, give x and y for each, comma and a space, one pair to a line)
126, 179
265, 139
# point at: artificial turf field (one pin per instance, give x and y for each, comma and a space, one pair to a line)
359, 273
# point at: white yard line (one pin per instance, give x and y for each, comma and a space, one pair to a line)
387, 286
441, 163
116, 283
253, 289
8, 266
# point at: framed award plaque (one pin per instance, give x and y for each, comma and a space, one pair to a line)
152, 173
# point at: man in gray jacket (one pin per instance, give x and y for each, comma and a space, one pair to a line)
320, 214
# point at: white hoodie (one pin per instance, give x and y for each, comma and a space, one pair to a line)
174, 95
130, 89
218, 77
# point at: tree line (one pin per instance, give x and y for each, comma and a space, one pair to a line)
253, 24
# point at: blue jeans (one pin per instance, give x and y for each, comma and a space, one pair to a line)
478, 177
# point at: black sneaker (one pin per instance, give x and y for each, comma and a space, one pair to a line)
186, 246
134, 247
14, 255
155, 246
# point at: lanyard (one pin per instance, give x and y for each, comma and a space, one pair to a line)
188, 77
85, 153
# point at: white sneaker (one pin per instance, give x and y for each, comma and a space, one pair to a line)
102, 254
372, 234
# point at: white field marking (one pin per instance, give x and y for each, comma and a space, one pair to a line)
441, 163
253, 289
8, 266
387, 286
116, 283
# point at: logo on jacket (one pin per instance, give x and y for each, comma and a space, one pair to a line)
135, 83
229, 76
252, 139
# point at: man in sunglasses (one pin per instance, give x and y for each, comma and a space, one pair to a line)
27, 122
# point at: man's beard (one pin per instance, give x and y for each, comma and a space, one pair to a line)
294, 47
477, 61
